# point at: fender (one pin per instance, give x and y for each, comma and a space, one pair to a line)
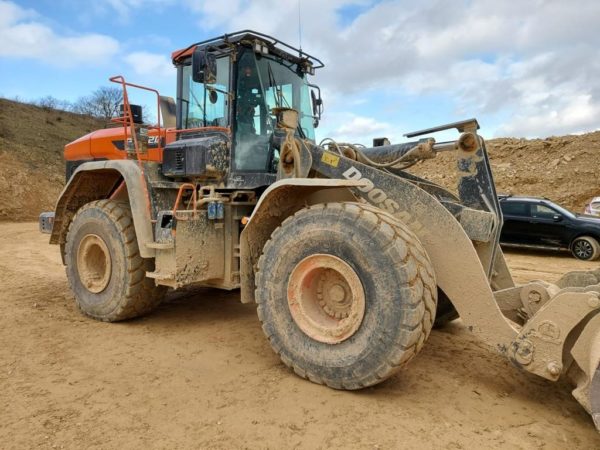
459, 271
281, 200
96, 180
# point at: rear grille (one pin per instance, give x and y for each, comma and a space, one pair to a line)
179, 161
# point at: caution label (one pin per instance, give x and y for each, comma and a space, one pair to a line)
330, 159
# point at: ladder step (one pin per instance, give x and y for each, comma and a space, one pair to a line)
160, 245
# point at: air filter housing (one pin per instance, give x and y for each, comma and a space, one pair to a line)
202, 157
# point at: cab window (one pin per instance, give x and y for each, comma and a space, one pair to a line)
206, 105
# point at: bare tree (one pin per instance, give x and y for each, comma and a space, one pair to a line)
50, 102
104, 103
108, 100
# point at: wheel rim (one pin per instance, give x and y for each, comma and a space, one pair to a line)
583, 249
326, 298
93, 263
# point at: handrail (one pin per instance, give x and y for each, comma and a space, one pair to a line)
128, 123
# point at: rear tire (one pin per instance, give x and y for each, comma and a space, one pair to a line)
585, 248
393, 272
105, 270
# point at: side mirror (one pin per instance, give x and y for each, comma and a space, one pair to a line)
557, 218
204, 66
317, 103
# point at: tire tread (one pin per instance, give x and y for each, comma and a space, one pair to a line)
409, 342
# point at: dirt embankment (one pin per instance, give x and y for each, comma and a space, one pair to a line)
565, 169
31, 156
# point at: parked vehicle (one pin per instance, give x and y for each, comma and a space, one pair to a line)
593, 207
540, 223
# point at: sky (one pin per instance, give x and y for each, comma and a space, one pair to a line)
523, 68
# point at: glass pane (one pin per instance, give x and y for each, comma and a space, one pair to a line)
253, 124
265, 83
206, 105
514, 208
542, 212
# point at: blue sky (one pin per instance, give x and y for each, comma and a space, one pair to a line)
527, 69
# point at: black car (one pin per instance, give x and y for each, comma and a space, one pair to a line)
537, 222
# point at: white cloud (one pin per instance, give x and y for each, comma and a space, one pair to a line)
22, 35
359, 126
124, 9
151, 65
534, 63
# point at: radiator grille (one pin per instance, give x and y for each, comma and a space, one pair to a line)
179, 161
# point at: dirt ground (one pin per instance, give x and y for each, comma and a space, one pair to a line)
199, 373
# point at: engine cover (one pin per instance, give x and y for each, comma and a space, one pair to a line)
199, 157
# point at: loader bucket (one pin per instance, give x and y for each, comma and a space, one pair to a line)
586, 355
595, 398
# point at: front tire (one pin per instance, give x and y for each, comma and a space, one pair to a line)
585, 248
346, 294
105, 270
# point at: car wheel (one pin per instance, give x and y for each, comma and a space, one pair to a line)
585, 248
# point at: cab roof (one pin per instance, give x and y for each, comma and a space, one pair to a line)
224, 44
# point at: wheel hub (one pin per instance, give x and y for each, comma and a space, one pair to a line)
94, 263
326, 298
583, 249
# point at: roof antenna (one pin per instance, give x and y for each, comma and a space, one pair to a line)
299, 28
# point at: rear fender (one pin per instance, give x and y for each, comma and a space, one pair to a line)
281, 200
98, 180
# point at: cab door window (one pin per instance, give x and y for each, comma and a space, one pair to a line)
253, 122
206, 105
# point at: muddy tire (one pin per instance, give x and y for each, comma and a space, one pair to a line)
585, 248
346, 294
445, 311
105, 270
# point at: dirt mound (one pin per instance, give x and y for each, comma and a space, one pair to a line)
564, 169
31, 163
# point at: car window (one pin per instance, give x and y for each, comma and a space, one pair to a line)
542, 212
515, 208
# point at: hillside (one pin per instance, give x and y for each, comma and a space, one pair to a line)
564, 169
31, 164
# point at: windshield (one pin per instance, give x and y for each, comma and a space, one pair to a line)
264, 83
205, 105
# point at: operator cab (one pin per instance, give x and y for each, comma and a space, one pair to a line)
227, 90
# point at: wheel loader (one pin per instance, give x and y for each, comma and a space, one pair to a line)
350, 258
